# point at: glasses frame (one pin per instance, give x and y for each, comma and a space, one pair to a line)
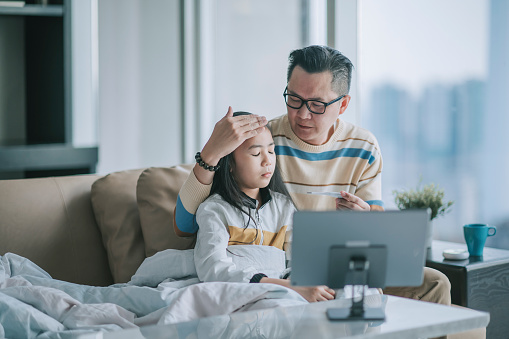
285, 95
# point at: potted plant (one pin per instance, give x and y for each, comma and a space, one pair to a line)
427, 196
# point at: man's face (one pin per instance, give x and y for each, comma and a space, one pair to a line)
315, 129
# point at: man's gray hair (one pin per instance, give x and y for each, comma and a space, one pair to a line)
317, 59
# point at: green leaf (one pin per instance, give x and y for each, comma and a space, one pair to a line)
427, 196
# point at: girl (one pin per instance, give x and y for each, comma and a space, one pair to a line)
245, 223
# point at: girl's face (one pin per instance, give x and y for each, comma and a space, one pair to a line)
255, 161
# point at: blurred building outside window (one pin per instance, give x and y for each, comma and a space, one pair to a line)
428, 73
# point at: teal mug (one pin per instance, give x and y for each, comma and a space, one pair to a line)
475, 237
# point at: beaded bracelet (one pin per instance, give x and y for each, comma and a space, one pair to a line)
202, 163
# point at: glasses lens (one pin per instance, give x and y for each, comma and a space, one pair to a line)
316, 107
293, 101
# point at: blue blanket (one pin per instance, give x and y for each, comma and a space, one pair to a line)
164, 290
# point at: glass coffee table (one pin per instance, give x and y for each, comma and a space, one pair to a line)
405, 318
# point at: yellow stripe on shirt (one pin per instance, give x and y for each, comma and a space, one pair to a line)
246, 236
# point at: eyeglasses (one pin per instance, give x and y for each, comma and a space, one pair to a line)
314, 106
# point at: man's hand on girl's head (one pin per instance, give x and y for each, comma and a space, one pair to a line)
229, 133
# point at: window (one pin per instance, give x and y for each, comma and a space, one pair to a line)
244, 48
428, 80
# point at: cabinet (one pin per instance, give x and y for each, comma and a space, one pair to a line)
36, 130
480, 283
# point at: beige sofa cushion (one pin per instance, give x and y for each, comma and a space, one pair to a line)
116, 212
156, 193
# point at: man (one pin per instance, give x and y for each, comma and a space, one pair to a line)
316, 152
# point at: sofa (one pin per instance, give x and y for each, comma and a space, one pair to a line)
93, 229
105, 225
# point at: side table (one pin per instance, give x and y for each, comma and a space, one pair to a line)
480, 283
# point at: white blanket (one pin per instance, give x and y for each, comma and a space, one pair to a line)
164, 290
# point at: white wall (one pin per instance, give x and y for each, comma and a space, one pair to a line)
253, 41
139, 84
84, 72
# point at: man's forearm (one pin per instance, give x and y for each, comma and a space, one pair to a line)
210, 158
191, 195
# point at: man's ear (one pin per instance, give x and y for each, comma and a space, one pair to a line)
343, 104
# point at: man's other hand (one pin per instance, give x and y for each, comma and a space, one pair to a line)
351, 202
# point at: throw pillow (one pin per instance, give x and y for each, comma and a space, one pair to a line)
157, 192
116, 212
167, 265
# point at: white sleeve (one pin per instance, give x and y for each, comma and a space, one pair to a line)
210, 255
288, 220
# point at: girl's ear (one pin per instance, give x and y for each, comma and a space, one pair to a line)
231, 163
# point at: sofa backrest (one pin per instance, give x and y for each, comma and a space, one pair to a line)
134, 211
92, 229
51, 222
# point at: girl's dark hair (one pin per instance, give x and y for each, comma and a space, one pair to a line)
225, 185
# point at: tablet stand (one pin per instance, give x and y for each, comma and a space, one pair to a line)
357, 274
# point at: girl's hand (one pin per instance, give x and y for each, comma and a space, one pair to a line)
229, 133
315, 293
311, 294
351, 202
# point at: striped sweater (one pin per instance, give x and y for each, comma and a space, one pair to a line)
350, 160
